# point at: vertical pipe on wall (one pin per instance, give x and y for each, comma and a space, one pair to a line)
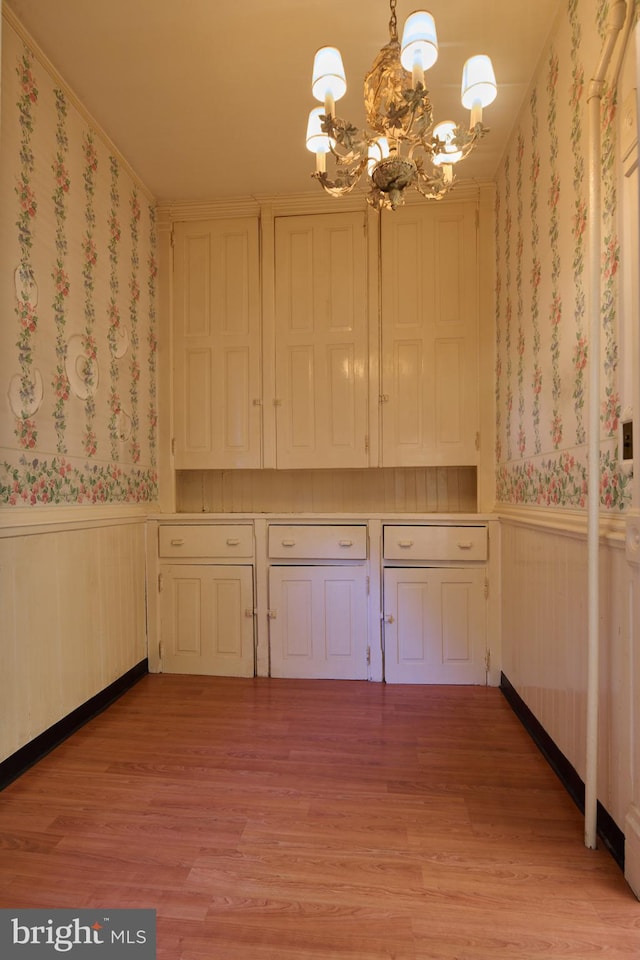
617, 16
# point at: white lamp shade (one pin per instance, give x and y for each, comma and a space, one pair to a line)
478, 82
446, 131
317, 140
377, 151
419, 41
328, 75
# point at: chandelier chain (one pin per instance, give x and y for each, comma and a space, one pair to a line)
393, 22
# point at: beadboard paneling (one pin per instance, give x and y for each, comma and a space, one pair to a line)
72, 620
392, 490
544, 647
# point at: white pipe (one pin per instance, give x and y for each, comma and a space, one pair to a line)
616, 21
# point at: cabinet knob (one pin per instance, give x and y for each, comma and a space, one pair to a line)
233, 541
464, 544
288, 543
272, 614
345, 543
177, 543
389, 618
405, 544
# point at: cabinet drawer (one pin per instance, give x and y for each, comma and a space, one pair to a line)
435, 543
206, 540
318, 542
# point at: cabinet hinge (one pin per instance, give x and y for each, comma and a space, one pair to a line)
486, 588
477, 219
160, 650
366, 442
159, 583
478, 440
369, 656
173, 446
172, 237
368, 585
487, 660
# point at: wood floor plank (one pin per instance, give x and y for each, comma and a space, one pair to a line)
316, 820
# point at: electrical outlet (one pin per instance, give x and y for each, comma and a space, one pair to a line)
627, 439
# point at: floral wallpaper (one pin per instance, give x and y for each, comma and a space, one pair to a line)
78, 288
541, 281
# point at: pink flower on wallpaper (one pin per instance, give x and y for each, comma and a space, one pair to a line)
90, 443
90, 154
114, 227
580, 219
522, 441
28, 84
556, 310
134, 287
536, 273
26, 197
61, 281
610, 258
90, 251
554, 191
580, 354
611, 412
90, 346
61, 175
114, 314
556, 430
153, 268
27, 433
60, 386
535, 168
135, 206
537, 380
27, 315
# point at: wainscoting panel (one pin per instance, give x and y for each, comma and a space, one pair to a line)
72, 620
544, 638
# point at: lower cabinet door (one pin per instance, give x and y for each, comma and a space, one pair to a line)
435, 625
318, 622
206, 620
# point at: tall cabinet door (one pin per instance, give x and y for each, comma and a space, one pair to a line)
429, 335
206, 620
435, 625
321, 341
318, 622
217, 373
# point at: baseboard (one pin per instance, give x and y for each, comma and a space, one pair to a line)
44, 743
609, 832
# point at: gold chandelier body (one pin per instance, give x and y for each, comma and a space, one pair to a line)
401, 147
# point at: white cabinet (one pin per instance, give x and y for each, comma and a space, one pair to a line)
435, 589
318, 622
206, 620
318, 602
321, 344
206, 598
216, 343
429, 368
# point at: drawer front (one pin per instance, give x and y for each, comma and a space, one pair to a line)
317, 542
206, 540
435, 543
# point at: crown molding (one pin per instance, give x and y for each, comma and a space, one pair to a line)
301, 204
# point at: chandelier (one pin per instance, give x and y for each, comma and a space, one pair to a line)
401, 147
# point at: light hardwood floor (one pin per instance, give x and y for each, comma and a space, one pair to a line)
316, 820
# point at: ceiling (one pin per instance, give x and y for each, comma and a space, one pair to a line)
210, 101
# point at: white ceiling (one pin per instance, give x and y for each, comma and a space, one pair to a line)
208, 100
